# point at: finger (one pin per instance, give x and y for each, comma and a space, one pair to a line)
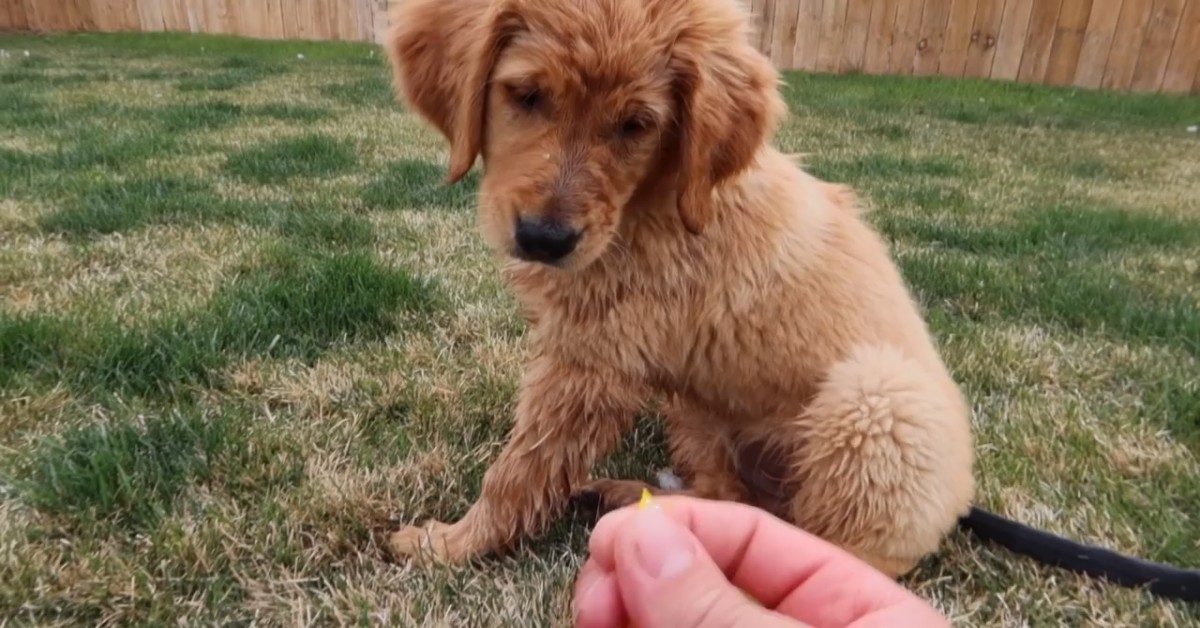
776, 563
667, 580
597, 601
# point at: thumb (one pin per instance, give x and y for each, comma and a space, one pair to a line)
667, 579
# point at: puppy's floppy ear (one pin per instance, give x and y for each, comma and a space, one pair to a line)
729, 104
442, 53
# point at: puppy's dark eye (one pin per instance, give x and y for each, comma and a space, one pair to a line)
633, 126
526, 98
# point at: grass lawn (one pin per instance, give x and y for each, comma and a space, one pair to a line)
243, 329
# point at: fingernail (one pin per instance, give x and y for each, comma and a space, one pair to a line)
664, 548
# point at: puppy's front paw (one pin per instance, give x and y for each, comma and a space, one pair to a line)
423, 544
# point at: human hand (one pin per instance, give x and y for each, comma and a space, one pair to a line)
682, 565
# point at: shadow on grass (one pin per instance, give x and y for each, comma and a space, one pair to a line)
299, 304
878, 166
100, 207
310, 155
999, 103
231, 72
133, 473
1078, 298
372, 91
1059, 231
413, 184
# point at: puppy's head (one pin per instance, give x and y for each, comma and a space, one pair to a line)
575, 105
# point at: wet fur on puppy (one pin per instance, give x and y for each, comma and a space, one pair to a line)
662, 249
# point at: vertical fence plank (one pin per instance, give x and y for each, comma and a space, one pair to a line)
79, 16
1036, 57
1185, 53
1010, 45
1156, 45
854, 40
985, 32
1097, 38
106, 18
34, 18
6, 19
905, 35
169, 17
383, 19
1126, 44
953, 59
348, 20
16, 15
290, 20
833, 22
879, 37
783, 33
319, 15
808, 35
1068, 41
150, 16
366, 20
127, 13
932, 37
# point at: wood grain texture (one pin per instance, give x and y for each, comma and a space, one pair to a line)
758, 26
854, 40
783, 33
1097, 39
833, 24
1035, 59
1156, 47
905, 34
1184, 63
39, 16
291, 19
1010, 45
6, 19
932, 37
382, 16
17, 15
808, 35
1126, 44
877, 56
175, 16
953, 59
985, 33
150, 16
1068, 41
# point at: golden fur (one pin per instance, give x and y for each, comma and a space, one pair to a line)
712, 272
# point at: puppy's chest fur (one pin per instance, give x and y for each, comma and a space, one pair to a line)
688, 323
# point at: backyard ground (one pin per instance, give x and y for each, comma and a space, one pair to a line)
243, 329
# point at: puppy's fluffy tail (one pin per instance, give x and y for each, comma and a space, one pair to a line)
1161, 580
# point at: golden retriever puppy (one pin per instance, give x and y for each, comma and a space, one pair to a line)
662, 248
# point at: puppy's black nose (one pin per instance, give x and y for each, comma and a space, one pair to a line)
544, 240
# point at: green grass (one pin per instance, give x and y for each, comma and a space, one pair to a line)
245, 329
312, 155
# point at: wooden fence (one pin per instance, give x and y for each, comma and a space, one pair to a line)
1141, 45
348, 20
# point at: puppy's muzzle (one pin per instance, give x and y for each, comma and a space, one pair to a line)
546, 241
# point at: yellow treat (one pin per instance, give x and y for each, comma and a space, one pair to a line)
646, 501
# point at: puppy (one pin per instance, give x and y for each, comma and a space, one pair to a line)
662, 248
